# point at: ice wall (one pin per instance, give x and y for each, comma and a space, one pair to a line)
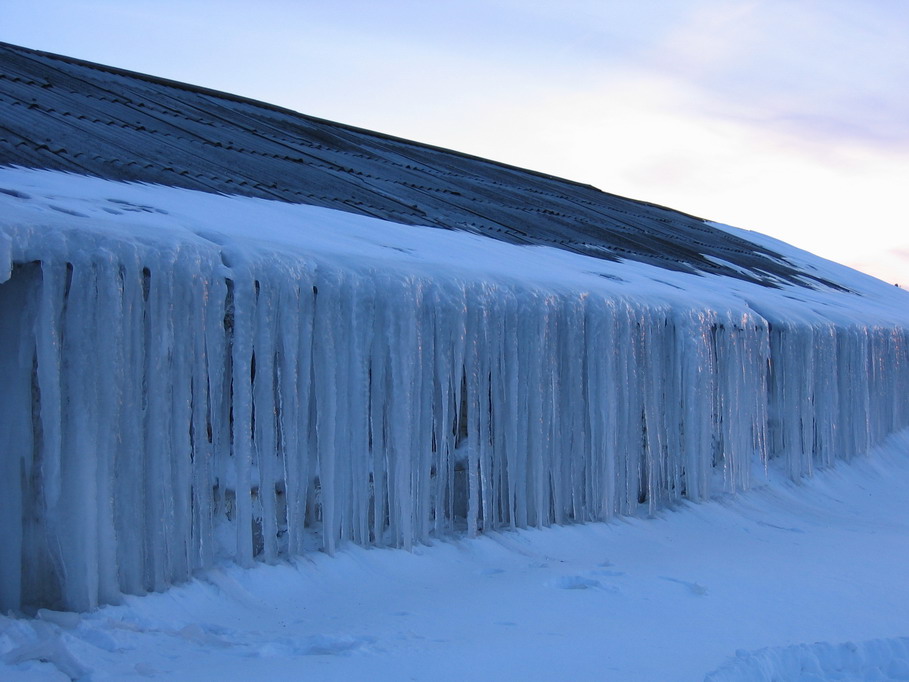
170, 403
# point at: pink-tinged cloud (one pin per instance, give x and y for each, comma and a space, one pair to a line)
833, 71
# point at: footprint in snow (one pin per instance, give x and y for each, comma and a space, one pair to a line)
579, 582
202, 634
773, 525
136, 208
694, 588
145, 670
316, 645
327, 645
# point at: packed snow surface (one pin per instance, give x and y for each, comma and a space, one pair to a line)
789, 582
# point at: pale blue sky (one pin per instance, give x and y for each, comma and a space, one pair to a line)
790, 117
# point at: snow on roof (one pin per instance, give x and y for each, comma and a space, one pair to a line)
42, 212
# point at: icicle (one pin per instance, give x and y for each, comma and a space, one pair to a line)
16, 429
132, 483
242, 358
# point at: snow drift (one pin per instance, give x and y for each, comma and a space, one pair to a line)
190, 377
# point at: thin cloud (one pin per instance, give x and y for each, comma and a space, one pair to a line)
828, 71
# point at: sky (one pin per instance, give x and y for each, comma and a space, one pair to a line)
788, 117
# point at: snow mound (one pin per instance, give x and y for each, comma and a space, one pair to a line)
875, 661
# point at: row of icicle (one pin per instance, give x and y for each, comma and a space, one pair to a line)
161, 414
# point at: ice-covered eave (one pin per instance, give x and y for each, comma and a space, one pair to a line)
47, 214
190, 377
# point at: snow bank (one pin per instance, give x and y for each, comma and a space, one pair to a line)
882, 659
198, 377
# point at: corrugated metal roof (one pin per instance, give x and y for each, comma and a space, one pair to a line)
66, 114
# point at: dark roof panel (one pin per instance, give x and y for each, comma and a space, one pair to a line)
66, 114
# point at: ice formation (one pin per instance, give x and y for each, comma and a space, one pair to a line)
193, 378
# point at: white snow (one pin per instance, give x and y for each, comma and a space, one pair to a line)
201, 379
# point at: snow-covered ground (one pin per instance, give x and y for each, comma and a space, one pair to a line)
785, 582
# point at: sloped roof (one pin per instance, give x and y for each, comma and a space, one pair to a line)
66, 114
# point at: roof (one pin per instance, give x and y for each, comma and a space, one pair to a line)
66, 114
